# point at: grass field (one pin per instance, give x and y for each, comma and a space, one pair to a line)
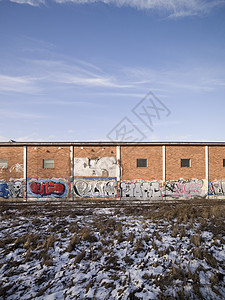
112, 250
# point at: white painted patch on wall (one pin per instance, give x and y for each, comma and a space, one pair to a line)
99, 167
17, 168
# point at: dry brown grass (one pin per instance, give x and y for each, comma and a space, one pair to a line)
73, 242
87, 235
130, 238
183, 219
196, 240
79, 257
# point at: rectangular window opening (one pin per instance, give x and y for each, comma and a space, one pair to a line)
185, 163
48, 163
3, 164
141, 163
224, 162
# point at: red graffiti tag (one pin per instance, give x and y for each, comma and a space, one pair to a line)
47, 188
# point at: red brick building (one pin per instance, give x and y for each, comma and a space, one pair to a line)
30, 171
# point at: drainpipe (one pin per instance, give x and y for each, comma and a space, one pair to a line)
72, 169
25, 169
207, 169
118, 160
164, 169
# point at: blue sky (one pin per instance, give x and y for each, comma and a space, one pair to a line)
76, 70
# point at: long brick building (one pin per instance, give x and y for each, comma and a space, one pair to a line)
111, 170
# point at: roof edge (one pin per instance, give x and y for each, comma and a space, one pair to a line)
111, 143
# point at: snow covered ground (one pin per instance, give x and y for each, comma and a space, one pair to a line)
154, 251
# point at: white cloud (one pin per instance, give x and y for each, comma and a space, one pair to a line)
173, 8
78, 73
72, 79
185, 78
30, 2
18, 84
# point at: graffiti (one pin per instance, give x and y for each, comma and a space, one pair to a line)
217, 188
185, 188
47, 188
12, 189
95, 187
4, 190
141, 190
16, 168
106, 187
16, 188
100, 167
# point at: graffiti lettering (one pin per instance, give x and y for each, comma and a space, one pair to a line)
185, 189
51, 187
217, 188
141, 190
12, 189
47, 188
95, 187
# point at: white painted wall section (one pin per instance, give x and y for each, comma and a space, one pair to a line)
99, 167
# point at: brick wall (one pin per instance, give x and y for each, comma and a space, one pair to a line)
94, 152
62, 162
14, 157
174, 154
129, 156
216, 169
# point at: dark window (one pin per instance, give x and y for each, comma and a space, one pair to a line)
48, 163
3, 163
185, 163
224, 162
141, 163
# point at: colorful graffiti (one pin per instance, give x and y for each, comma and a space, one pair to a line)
186, 188
4, 190
95, 187
140, 190
217, 188
153, 190
12, 189
106, 187
99, 167
50, 187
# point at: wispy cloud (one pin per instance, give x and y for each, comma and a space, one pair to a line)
38, 76
77, 73
30, 2
173, 8
186, 78
18, 84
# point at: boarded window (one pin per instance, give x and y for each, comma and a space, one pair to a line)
48, 163
141, 163
185, 163
3, 163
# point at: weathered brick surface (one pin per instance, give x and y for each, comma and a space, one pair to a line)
62, 162
174, 154
94, 152
14, 156
129, 156
216, 169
